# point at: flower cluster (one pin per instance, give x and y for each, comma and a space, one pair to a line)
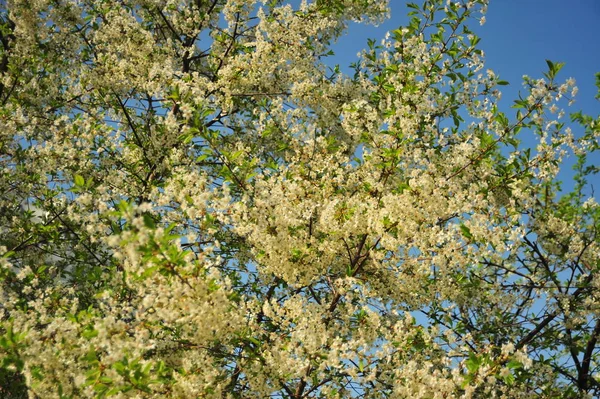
194, 205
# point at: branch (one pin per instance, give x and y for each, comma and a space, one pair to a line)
533, 333
584, 377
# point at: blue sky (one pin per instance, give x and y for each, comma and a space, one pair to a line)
521, 34
517, 38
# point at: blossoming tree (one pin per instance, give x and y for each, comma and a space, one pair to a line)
193, 205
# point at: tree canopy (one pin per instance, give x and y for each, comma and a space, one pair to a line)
195, 204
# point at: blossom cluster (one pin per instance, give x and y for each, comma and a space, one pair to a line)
194, 205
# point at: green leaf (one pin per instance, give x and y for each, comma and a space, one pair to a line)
119, 367
466, 232
554, 68
100, 388
513, 364
79, 181
473, 363
106, 380
509, 379
254, 341
89, 333
349, 271
114, 391
149, 221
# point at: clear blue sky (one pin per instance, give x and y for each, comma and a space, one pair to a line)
517, 38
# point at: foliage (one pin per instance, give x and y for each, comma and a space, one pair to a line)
195, 206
